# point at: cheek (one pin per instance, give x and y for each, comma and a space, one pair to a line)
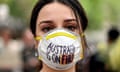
38, 31
77, 31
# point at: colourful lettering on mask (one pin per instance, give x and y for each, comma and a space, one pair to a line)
60, 54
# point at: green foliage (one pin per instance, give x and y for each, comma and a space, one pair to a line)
93, 9
5, 1
19, 8
98, 11
114, 10
15, 10
101, 11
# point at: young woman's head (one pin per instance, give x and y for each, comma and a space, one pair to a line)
74, 12
57, 21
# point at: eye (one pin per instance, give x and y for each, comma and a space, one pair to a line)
46, 29
72, 28
71, 25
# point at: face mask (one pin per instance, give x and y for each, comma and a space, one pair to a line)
60, 49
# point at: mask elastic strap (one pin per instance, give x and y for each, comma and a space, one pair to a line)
38, 38
39, 57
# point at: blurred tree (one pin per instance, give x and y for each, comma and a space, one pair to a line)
113, 11
19, 14
15, 9
99, 12
26, 8
20, 8
5, 1
94, 13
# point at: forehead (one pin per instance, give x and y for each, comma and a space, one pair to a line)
56, 9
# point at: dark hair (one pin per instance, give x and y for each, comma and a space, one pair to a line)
113, 34
74, 4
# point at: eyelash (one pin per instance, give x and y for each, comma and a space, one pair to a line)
46, 29
71, 27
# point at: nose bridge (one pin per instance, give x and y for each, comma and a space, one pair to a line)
59, 24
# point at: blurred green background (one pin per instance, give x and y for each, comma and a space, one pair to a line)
101, 13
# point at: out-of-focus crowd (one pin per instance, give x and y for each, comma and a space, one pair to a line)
105, 55
17, 55
20, 55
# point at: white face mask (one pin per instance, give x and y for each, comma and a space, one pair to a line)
60, 49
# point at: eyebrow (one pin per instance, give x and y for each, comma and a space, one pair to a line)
69, 20
46, 21
50, 21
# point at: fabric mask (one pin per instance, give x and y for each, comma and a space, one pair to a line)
60, 49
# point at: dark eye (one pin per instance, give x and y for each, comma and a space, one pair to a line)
46, 29
72, 28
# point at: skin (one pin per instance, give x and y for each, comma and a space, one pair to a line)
55, 15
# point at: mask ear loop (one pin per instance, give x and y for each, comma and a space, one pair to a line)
39, 66
38, 38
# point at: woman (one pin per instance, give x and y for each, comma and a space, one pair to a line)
58, 27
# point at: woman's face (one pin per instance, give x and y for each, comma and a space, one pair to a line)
55, 15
